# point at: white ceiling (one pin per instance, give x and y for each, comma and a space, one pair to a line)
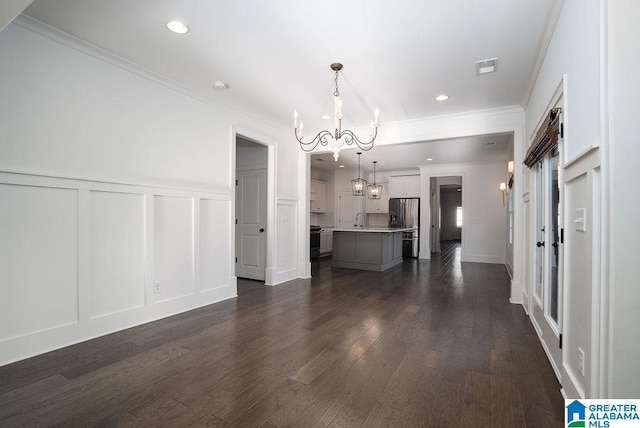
275, 54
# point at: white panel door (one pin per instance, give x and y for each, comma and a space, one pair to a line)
251, 219
347, 211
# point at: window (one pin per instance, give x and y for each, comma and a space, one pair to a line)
458, 216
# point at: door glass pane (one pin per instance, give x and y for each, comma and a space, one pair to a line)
539, 235
555, 235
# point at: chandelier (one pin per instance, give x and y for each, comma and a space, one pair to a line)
374, 190
337, 139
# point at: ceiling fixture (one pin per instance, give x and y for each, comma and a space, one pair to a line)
178, 27
429, 159
219, 85
341, 166
486, 66
442, 97
358, 185
374, 190
337, 139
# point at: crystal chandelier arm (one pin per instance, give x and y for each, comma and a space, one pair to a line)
350, 138
320, 138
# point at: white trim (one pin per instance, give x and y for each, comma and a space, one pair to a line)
36, 26
86, 326
271, 145
483, 258
28, 178
583, 154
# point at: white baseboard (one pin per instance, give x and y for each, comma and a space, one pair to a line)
282, 276
482, 258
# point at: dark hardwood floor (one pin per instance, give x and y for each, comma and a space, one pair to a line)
424, 344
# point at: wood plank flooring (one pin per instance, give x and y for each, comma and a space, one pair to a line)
424, 344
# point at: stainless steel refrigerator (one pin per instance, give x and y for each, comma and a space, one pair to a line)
405, 213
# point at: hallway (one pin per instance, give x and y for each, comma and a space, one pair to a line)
426, 343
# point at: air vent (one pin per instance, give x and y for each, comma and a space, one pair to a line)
486, 66
490, 143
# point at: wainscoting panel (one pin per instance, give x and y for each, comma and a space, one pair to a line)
173, 247
215, 238
117, 252
38, 259
79, 258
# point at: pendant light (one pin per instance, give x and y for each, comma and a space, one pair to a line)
374, 190
358, 185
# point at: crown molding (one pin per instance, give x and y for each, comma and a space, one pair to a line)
553, 15
36, 26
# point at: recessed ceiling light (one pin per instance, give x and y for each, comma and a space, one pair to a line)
429, 159
325, 117
442, 97
219, 85
341, 166
178, 27
486, 66
459, 190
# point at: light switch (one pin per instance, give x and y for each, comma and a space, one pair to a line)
581, 220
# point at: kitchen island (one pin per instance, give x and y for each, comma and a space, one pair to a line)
368, 248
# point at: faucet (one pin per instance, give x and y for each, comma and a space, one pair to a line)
358, 223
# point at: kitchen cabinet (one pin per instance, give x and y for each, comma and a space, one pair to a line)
379, 206
318, 196
375, 249
326, 241
405, 186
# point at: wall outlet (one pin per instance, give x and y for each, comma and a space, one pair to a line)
156, 287
581, 361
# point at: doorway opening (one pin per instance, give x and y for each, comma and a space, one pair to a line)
251, 171
447, 212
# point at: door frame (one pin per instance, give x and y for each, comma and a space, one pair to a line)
270, 144
426, 233
535, 306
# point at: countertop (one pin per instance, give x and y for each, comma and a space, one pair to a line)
375, 229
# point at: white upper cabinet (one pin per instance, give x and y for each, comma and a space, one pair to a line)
405, 186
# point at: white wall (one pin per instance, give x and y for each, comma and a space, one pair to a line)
110, 182
572, 66
624, 181
595, 48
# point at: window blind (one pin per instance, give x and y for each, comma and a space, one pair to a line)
546, 139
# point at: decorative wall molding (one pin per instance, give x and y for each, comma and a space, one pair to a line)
87, 227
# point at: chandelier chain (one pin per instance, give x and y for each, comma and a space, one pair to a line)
336, 93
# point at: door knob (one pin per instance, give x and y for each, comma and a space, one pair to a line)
555, 244
540, 244
261, 229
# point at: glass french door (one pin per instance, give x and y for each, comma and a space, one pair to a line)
547, 281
